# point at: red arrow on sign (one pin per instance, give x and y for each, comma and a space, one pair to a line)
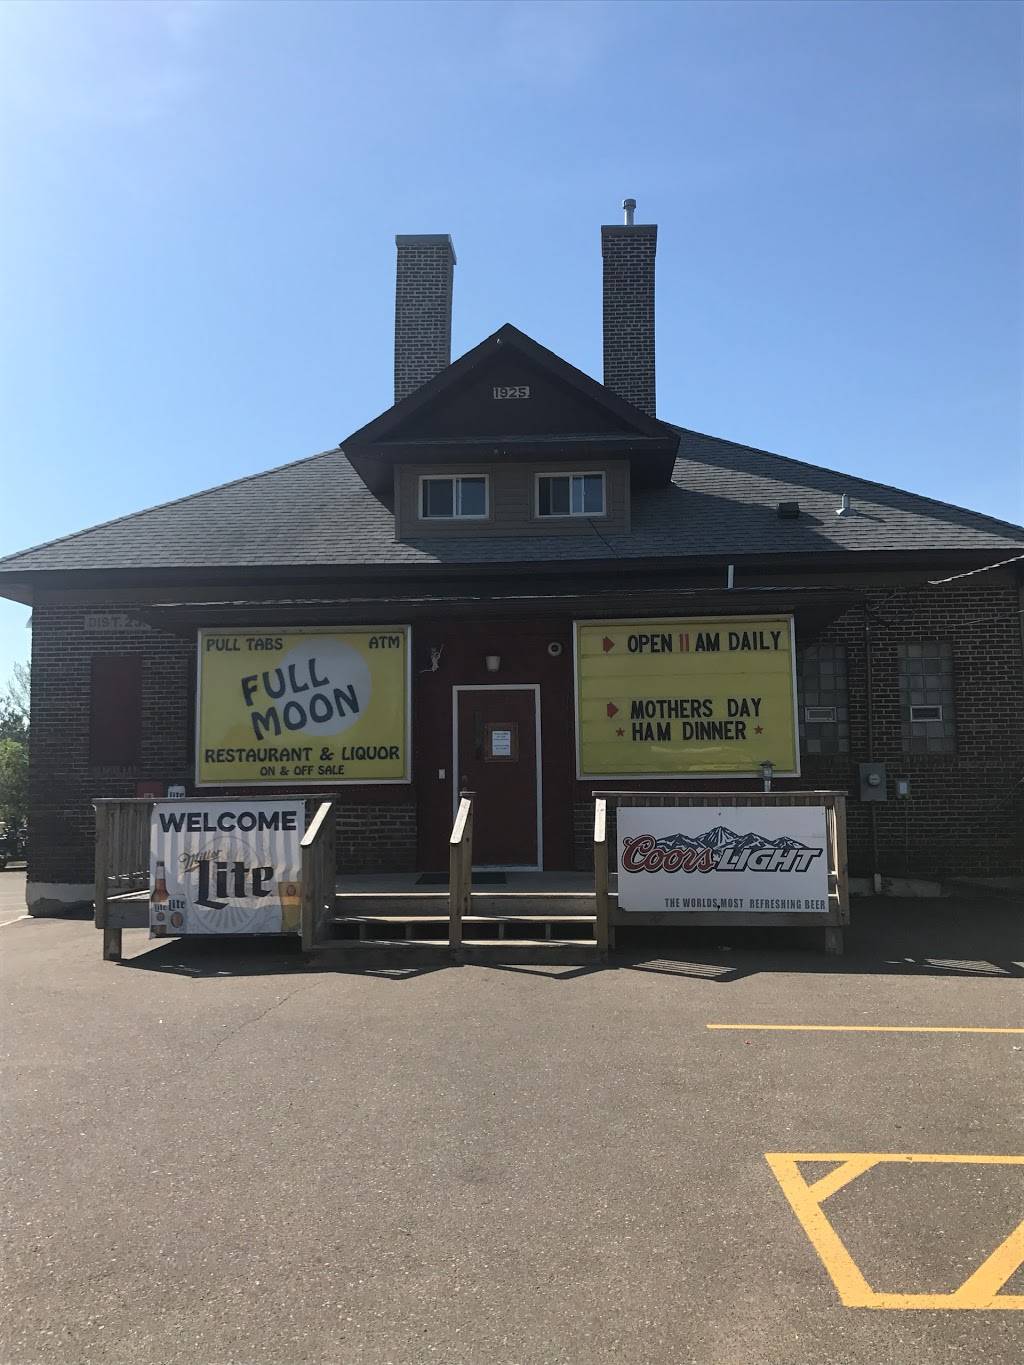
613, 710
607, 644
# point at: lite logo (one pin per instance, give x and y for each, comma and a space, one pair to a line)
240, 876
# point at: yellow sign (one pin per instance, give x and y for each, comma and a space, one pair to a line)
671, 697
303, 708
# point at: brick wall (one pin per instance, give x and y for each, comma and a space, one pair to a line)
62, 781
376, 826
965, 813
628, 256
423, 309
377, 838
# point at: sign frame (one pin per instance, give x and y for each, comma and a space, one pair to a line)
315, 782
652, 889
285, 841
704, 776
610, 917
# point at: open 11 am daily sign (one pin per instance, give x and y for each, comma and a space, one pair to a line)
705, 695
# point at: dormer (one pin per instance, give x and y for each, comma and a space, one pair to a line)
511, 404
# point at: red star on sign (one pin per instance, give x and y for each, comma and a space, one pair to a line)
620, 732
758, 729
613, 710
607, 644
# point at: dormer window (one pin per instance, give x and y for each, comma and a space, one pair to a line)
570, 495
451, 496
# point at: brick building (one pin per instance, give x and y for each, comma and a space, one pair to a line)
503, 500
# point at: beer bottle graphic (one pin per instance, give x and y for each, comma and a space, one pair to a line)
160, 896
158, 901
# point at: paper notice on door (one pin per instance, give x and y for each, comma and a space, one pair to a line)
501, 743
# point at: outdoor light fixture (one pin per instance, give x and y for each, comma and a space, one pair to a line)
767, 772
493, 662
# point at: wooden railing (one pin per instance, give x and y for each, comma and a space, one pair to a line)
318, 873
834, 919
460, 869
122, 868
601, 899
121, 864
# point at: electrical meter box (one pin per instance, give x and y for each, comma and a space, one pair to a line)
872, 782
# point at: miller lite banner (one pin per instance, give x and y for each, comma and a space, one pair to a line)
225, 867
686, 695
311, 707
771, 859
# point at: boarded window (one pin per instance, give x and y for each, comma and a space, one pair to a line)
824, 700
926, 697
115, 710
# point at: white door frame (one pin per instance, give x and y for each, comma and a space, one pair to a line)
502, 687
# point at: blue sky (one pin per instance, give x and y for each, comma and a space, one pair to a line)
200, 202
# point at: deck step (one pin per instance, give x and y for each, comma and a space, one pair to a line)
404, 954
533, 904
466, 919
475, 928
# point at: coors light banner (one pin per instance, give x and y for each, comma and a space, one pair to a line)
225, 867
743, 858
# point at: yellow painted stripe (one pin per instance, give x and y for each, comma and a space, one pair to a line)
864, 1028
979, 1291
972, 1159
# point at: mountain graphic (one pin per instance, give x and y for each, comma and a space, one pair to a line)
721, 837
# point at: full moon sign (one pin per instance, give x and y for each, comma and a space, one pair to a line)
282, 707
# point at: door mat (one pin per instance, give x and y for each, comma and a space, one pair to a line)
479, 879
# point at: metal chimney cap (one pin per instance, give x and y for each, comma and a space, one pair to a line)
628, 209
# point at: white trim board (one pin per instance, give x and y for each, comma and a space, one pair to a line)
502, 687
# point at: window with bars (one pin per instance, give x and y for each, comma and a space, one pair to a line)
824, 700
926, 696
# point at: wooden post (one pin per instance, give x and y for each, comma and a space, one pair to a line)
111, 943
102, 869
603, 929
460, 870
842, 863
101, 865
314, 892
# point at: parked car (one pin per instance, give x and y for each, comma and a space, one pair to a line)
13, 844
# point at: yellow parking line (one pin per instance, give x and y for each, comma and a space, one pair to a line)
864, 1028
980, 1290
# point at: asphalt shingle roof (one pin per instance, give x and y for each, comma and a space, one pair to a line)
722, 501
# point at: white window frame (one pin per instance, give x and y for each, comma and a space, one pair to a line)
569, 474
926, 720
821, 715
456, 515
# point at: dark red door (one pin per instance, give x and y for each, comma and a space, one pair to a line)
497, 751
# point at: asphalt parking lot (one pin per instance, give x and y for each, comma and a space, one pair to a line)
216, 1153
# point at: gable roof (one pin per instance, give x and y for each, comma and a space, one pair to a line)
457, 416
722, 502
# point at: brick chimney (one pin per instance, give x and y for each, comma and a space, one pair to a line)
423, 309
628, 253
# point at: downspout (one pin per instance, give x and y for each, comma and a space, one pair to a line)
876, 876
